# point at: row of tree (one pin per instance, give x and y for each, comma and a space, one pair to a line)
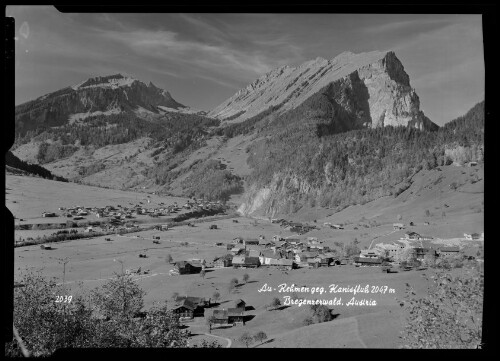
12, 161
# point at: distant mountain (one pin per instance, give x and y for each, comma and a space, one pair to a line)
372, 88
325, 134
100, 95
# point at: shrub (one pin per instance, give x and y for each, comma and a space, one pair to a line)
246, 339
456, 323
260, 336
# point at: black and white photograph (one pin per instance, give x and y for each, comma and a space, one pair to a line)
245, 179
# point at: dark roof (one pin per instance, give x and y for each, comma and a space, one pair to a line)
367, 260
185, 303
449, 249
238, 302
191, 299
235, 312
183, 264
412, 233
220, 314
252, 260
268, 254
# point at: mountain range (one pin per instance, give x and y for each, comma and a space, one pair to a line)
327, 133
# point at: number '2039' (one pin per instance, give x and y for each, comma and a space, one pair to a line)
64, 299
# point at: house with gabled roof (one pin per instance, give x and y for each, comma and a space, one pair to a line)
224, 261
238, 261
448, 251
253, 253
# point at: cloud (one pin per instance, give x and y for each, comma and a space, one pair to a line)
397, 26
168, 46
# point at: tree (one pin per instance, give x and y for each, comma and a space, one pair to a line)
120, 297
160, 328
232, 284
399, 217
246, 339
216, 296
275, 302
450, 316
246, 277
169, 258
321, 313
208, 344
210, 319
202, 274
175, 295
260, 336
351, 250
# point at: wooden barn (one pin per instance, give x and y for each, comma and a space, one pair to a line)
185, 267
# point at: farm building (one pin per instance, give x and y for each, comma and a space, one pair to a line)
229, 316
336, 226
185, 310
48, 214
448, 251
398, 226
253, 253
251, 262
266, 256
251, 242
314, 262
213, 226
239, 303
412, 236
370, 253
189, 307
472, 237
389, 249
421, 252
238, 261
185, 267
286, 264
237, 250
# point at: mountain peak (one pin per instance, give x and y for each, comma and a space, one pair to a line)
112, 81
377, 77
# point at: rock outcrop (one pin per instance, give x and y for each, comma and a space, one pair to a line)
374, 86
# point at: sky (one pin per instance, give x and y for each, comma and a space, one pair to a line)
203, 59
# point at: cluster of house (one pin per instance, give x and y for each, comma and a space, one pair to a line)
474, 236
381, 251
296, 227
282, 253
188, 307
198, 204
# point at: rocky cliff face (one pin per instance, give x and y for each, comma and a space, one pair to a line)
374, 87
113, 93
